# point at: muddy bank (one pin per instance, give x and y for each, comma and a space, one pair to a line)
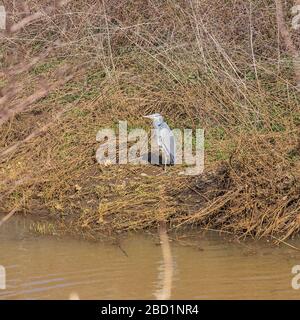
240, 199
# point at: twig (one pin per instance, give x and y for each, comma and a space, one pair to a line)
287, 244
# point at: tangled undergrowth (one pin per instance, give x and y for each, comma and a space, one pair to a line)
120, 60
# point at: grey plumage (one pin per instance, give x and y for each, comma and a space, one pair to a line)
164, 137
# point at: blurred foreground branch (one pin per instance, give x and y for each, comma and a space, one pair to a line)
287, 39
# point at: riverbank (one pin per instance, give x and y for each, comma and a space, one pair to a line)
77, 78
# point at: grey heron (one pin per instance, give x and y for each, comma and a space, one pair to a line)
164, 137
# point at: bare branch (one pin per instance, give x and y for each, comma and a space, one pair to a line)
36, 16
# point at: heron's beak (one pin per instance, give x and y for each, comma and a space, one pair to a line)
148, 117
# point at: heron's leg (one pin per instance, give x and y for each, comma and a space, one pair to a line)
165, 160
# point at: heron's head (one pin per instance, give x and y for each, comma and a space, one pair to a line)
156, 117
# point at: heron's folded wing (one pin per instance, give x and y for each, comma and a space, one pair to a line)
168, 143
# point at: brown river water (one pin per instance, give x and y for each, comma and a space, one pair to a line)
47, 267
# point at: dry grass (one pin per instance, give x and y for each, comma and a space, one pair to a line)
80, 67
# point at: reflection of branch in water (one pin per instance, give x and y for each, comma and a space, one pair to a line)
74, 296
8, 216
168, 263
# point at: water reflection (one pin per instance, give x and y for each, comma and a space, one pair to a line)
166, 275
